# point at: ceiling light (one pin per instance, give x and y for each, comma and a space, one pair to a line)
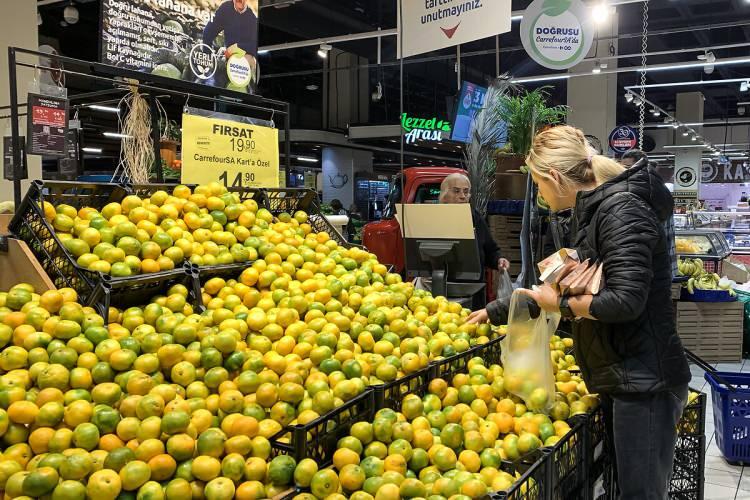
106, 109
709, 58
598, 67
600, 12
262, 52
741, 110
323, 50
307, 159
117, 135
694, 138
540, 79
312, 87
685, 133
656, 112
744, 86
516, 18
70, 14
628, 97
91, 150
675, 125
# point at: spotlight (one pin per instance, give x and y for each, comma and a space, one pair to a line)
656, 113
744, 86
323, 50
675, 125
598, 67
685, 133
70, 14
628, 97
710, 58
600, 12
637, 101
694, 138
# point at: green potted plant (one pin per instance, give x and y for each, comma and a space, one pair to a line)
525, 113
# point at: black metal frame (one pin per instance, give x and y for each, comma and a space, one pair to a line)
154, 84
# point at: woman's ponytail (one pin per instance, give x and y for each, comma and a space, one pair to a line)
605, 169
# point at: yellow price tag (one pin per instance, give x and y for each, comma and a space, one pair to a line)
232, 153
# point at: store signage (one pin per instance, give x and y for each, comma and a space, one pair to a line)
557, 34
429, 25
424, 129
730, 173
233, 153
181, 39
47, 125
239, 71
623, 139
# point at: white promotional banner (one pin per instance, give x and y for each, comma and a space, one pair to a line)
557, 33
428, 25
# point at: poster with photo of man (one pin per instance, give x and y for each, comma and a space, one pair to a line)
214, 42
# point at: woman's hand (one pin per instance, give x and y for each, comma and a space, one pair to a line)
503, 264
545, 296
478, 317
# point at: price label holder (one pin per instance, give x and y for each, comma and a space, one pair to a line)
236, 151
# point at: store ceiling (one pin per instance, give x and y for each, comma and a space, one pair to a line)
430, 81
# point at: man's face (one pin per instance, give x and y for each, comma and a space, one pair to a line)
458, 191
239, 5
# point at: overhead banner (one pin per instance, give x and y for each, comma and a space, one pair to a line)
214, 42
428, 25
233, 153
736, 172
557, 34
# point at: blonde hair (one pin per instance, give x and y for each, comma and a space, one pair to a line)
566, 150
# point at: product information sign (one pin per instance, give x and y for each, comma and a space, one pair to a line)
429, 25
233, 153
214, 42
47, 125
557, 33
623, 139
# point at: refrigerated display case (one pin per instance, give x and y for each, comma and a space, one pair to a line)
735, 226
703, 244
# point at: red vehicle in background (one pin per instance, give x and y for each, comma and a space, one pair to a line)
421, 185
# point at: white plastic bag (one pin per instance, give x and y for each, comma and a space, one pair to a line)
504, 286
526, 358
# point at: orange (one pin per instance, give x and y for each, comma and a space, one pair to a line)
324, 483
39, 439
345, 456
352, 477
162, 467
23, 412
220, 488
205, 468
134, 475
104, 484
396, 463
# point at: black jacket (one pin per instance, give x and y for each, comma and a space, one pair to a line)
489, 252
633, 345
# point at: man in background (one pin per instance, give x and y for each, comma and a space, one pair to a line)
456, 188
238, 19
636, 157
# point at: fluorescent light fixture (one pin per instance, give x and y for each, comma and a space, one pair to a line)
516, 18
106, 109
262, 52
91, 150
700, 64
675, 146
116, 135
307, 159
541, 78
681, 84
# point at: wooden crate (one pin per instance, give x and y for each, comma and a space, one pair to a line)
713, 331
18, 264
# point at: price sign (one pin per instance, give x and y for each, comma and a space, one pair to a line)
47, 125
233, 153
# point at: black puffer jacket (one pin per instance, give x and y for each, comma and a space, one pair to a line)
633, 345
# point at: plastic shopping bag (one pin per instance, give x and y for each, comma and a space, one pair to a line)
526, 357
504, 286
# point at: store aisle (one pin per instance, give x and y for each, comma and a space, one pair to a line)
724, 481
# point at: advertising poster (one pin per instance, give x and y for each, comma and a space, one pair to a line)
470, 102
214, 42
428, 25
233, 153
623, 139
47, 125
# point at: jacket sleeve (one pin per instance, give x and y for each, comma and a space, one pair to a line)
215, 26
497, 312
627, 234
489, 248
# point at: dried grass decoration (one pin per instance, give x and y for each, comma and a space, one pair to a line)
137, 152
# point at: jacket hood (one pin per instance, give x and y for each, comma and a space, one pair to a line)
640, 180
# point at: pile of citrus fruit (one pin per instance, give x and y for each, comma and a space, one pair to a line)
449, 442
207, 226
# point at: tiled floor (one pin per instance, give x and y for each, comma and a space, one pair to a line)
724, 481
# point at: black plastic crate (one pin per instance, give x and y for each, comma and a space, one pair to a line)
535, 481
598, 459
568, 464
448, 368
136, 291
30, 225
317, 440
391, 394
688, 482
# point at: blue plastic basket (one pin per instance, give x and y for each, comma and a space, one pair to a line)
732, 415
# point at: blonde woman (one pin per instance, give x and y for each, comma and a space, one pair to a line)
625, 337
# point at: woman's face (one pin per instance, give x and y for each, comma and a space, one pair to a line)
554, 193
